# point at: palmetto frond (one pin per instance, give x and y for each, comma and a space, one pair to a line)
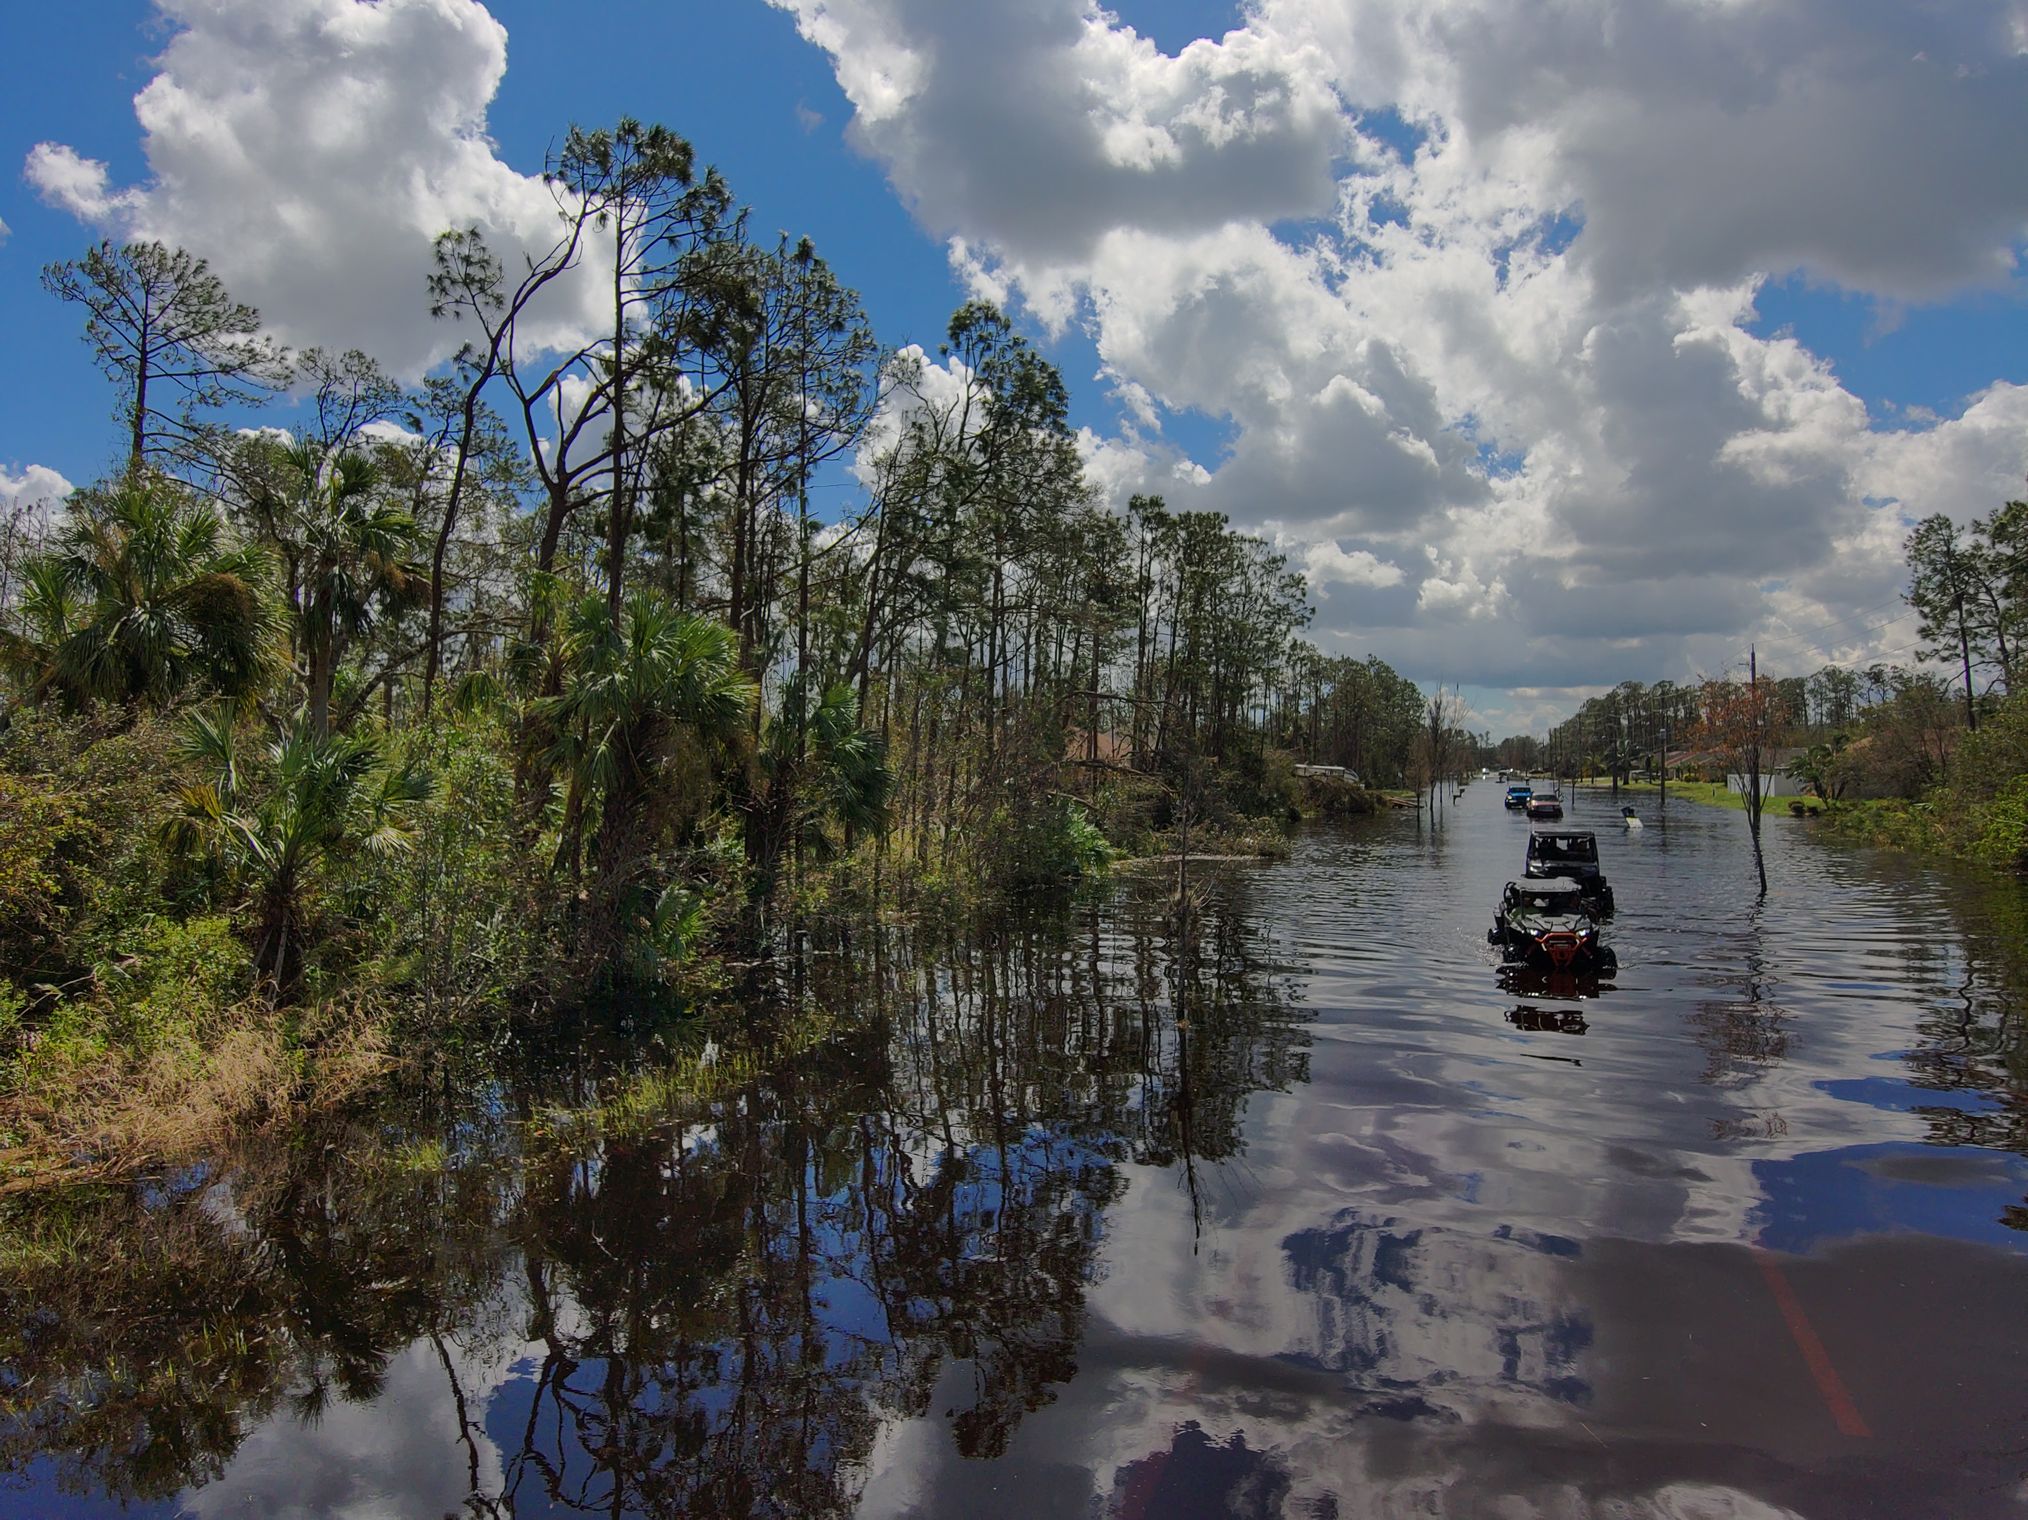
196, 824
210, 739
322, 797
841, 774
144, 595
52, 601
855, 779
660, 666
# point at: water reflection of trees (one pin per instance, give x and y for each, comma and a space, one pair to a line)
720, 1301
1974, 1040
143, 1332
1744, 1034
1198, 1476
1961, 944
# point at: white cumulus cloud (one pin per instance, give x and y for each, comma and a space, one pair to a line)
1329, 563
311, 150
79, 185
1474, 286
33, 491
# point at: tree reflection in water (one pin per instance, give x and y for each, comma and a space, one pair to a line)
696, 1305
1974, 1038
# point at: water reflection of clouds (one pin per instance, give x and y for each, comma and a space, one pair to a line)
1370, 1254
1153, 1436
1406, 1308
1434, 1203
395, 1457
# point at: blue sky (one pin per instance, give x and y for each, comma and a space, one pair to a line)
1899, 358
771, 116
1558, 352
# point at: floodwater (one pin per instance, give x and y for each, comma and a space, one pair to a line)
1300, 1213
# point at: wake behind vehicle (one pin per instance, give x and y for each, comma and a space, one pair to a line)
1544, 805
1549, 926
1518, 795
1571, 853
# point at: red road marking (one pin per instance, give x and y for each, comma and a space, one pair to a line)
1843, 1411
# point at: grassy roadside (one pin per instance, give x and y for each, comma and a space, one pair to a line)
1711, 794
1988, 831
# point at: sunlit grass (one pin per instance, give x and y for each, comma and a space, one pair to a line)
1711, 794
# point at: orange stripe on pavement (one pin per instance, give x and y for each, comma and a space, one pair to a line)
1843, 1411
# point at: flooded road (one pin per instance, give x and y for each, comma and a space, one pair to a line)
1297, 1213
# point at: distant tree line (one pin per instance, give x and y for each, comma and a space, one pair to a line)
1949, 731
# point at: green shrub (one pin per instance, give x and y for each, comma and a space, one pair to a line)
80, 870
2002, 838
1043, 840
179, 979
166, 992
453, 917
1087, 848
1259, 784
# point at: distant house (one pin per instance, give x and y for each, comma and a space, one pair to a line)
1775, 780
1707, 763
1677, 761
1113, 749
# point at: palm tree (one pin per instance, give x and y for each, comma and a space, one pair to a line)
325, 800
349, 551
629, 691
144, 596
818, 768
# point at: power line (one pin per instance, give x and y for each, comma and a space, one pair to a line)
1900, 599
1862, 633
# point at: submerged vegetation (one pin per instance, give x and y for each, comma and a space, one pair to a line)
667, 1239
546, 684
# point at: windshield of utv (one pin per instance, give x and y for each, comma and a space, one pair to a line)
1561, 902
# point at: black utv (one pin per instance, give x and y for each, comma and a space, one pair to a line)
1551, 926
1572, 853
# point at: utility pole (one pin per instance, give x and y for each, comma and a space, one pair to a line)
1664, 768
1754, 720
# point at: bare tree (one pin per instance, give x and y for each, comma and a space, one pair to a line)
1740, 722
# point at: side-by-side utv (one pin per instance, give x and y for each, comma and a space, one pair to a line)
1572, 853
1550, 925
